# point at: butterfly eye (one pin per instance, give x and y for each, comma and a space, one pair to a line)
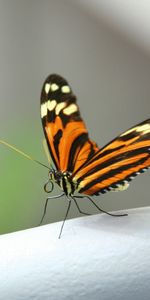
51, 175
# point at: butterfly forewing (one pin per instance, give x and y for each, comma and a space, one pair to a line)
65, 131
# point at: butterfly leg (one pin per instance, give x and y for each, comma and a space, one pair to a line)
45, 206
78, 207
104, 211
100, 209
62, 226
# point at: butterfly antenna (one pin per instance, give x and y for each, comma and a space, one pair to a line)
22, 153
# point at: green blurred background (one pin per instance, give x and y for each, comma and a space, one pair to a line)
109, 72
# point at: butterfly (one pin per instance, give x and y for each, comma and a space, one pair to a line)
80, 166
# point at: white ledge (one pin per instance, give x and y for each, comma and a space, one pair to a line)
97, 257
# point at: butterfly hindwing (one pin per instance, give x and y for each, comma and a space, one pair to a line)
116, 164
64, 129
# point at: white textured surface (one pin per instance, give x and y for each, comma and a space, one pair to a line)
98, 257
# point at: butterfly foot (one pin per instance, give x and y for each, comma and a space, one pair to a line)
118, 215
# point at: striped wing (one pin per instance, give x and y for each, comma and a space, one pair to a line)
115, 165
65, 132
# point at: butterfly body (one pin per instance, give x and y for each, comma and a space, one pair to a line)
64, 180
79, 164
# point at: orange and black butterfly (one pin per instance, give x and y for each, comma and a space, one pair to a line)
80, 166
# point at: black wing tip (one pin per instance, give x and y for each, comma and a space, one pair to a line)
59, 81
147, 121
55, 78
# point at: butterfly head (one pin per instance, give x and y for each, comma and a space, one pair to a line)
55, 175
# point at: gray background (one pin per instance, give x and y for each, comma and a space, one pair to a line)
109, 74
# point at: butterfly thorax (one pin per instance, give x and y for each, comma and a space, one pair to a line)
64, 180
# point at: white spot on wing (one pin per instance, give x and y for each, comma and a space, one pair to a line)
145, 128
121, 187
59, 107
54, 87
51, 104
47, 88
65, 89
72, 108
43, 110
